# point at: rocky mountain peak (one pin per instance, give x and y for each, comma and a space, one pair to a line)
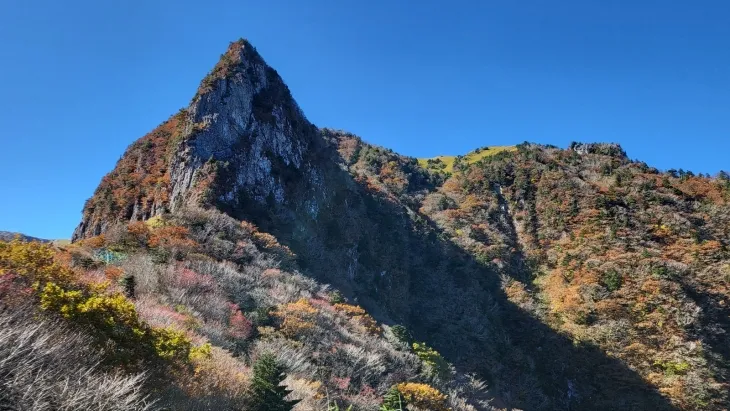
241, 133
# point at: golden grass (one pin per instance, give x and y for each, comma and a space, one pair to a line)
470, 158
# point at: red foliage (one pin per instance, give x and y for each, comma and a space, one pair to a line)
160, 315
341, 383
13, 290
322, 304
171, 237
189, 279
239, 326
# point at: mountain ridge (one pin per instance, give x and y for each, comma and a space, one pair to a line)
9, 235
512, 236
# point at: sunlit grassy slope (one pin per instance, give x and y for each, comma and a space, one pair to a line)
472, 157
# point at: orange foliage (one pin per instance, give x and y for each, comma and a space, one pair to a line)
361, 317
94, 242
137, 234
393, 177
297, 318
140, 177
453, 185
423, 396
472, 203
171, 237
701, 188
347, 147
113, 273
224, 67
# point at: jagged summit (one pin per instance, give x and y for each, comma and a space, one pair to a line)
238, 52
242, 125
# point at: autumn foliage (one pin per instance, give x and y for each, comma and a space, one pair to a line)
423, 396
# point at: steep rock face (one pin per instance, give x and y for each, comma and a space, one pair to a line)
247, 123
240, 139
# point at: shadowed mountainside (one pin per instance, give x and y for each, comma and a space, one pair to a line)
570, 279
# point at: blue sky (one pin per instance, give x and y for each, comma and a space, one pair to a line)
83, 79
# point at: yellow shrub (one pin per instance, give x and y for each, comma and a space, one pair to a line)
216, 372
434, 362
171, 344
350, 310
297, 317
270, 243
98, 309
293, 327
116, 317
201, 352
32, 260
111, 315
360, 316
155, 222
423, 396
55, 298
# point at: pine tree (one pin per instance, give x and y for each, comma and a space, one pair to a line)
268, 394
402, 334
128, 284
393, 401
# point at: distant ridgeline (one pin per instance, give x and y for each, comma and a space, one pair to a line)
7, 236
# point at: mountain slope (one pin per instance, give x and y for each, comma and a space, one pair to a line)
609, 252
569, 279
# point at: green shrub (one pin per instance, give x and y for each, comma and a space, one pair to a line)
672, 368
128, 284
435, 364
612, 280
336, 297
402, 334
393, 400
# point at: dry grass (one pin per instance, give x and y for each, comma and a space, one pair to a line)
45, 367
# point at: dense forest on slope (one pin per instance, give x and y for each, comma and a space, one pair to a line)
238, 248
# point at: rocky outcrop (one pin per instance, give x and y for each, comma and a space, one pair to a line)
606, 149
240, 141
248, 124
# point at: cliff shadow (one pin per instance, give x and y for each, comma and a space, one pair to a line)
713, 329
403, 270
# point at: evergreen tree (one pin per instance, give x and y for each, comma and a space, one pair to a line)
393, 401
128, 284
268, 394
402, 334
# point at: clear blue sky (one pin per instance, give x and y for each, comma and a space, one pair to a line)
81, 80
